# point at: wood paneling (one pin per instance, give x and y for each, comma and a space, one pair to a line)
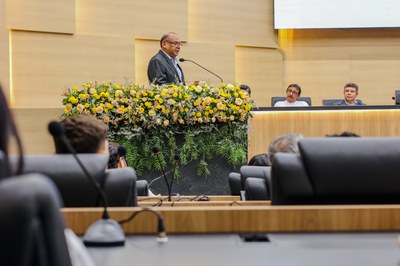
322, 61
32, 125
45, 64
232, 22
135, 19
266, 125
41, 15
239, 219
4, 51
262, 70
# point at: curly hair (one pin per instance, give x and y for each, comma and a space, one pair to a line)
86, 133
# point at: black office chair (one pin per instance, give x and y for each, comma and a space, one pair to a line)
275, 99
31, 225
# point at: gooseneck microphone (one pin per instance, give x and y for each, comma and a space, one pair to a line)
104, 232
169, 185
184, 60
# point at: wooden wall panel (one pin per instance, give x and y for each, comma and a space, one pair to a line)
45, 64
4, 52
261, 69
235, 22
322, 61
32, 125
41, 15
135, 19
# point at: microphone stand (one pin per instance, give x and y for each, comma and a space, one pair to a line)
104, 232
184, 60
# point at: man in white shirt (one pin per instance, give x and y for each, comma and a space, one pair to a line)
293, 92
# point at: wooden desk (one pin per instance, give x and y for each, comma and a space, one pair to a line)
247, 219
367, 121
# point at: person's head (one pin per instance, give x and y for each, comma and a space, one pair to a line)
246, 88
293, 92
259, 160
116, 159
171, 44
344, 134
285, 143
8, 131
350, 92
86, 133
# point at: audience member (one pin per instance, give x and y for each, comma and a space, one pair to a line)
350, 92
259, 160
77, 252
86, 134
285, 143
293, 92
8, 131
344, 134
246, 88
163, 67
117, 159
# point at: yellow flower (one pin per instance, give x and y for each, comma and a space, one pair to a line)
106, 119
198, 114
109, 106
121, 110
175, 94
152, 113
83, 96
141, 110
147, 104
80, 108
68, 106
86, 105
99, 109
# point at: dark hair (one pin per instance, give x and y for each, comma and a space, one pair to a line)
296, 86
344, 134
8, 130
86, 133
259, 160
351, 85
245, 88
114, 155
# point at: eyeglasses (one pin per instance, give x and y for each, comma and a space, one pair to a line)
175, 43
292, 92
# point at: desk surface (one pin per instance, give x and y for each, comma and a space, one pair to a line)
350, 249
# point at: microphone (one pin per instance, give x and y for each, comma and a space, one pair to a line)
184, 60
104, 232
169, 186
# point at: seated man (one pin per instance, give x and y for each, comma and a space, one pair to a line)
350, 94
86, 134
285, 143
293, 92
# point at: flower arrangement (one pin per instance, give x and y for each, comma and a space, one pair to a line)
211, 120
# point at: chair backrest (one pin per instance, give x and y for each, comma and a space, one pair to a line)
331, 101
338, 170
275, 99
75, 187
327, 102
31, 225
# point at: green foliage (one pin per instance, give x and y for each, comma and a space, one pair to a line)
228, 140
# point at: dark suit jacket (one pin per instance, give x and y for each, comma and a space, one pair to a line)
161, 70
343, 103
